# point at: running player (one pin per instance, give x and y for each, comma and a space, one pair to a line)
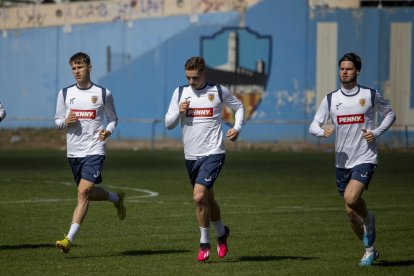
80, 109
352, 109
197, 107
2, 112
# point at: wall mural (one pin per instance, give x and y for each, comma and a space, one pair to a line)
239, 58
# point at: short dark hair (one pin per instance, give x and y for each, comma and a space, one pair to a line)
352, 57
195, 63
80, 58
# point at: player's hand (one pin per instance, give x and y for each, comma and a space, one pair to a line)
103, 134
368, 136
71, 119
184, 106
327, 132
232, 134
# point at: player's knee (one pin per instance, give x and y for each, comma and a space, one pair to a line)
200, 198
83, 194
350, 201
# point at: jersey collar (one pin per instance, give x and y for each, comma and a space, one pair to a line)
87, 88
350, 92
201, 89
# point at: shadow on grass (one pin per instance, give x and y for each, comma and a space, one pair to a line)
151, 252
395, 263
25, 246
273, 258
132, 253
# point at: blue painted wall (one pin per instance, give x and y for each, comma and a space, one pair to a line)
34, 63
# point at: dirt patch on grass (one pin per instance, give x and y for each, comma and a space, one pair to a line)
46, 138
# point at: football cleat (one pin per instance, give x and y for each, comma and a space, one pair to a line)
369, 233
63, 245
120, 207
204, 252
369, 258
222, 243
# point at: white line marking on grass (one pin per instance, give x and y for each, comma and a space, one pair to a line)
147, 193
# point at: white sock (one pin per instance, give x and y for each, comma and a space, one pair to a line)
74, 228
219, 227
113, 197
370, 249
205, 235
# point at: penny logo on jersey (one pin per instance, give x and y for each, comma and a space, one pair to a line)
199, 112
229, 62
350, 119
85, 114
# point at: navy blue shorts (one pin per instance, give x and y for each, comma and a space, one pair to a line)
205, 170
362, 173
88, 168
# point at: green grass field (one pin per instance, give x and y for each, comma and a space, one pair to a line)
283, 210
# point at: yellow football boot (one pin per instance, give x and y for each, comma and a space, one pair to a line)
120, 207
63, 245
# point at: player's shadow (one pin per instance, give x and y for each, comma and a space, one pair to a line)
25, 246
273, 258
395, 263
151, 252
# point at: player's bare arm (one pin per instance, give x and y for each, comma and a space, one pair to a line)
103, 134
232, 134
71, 119
368, 136
327, 132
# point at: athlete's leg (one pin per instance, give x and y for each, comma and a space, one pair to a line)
97, 193
79, 214
356, 222
222, 231
355, 206
200, 197
215, 214
84, 189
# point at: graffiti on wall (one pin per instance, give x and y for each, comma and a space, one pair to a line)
78, 13
32, 16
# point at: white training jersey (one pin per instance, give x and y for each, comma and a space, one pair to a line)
201, 125
350, 112
2, 112
90, 106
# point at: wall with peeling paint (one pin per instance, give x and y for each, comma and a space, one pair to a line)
148, 55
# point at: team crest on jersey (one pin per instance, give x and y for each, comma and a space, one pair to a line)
362, 102
94, 99
211, 97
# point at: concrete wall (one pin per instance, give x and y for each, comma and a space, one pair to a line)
148, 57
86, 12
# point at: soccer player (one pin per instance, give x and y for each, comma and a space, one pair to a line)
80, 109
352, 109
197, 107
2, 112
